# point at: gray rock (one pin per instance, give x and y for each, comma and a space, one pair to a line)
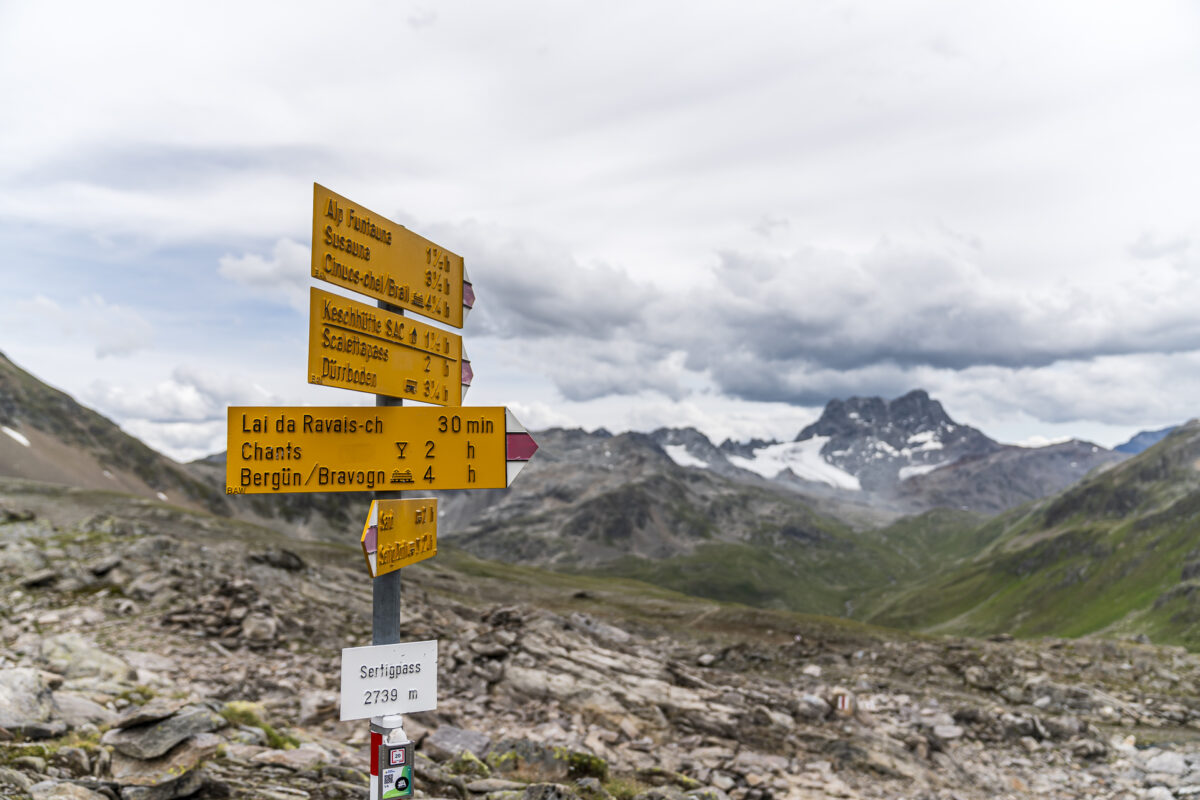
488, 785
74, 656
531, 760
74, 760
448, 741
49, 790
155, 739
810, 706
1159, 793
32, 763
76, 710
186, 784
259, 627
302, 758
11, 777
549, 791
707, 793
25, 699
40, 578
1169, 762
103, 566
947, 732
600, 630
175, 775
156, 709
280, 559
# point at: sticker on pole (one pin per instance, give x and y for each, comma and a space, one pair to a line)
395, 770
389, 679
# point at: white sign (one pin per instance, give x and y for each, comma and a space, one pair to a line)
389, 679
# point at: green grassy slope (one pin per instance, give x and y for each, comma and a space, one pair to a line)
1118, 553
813, 565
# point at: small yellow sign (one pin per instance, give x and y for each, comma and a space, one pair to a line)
399, 533
353, 345
355, 248
358, 449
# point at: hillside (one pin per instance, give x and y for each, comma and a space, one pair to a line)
47, 436
618, 505
148, 651
1118, 554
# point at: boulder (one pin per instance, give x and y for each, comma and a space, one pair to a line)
549, 791
154, 739
76, 710
280, 559
26, 703
1168, 762
49, 790
168, 777
306, 756
259, 627
14, 778
812, 707
73, 655
448, 741
156, 709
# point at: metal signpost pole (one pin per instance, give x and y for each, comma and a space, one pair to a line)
385, 622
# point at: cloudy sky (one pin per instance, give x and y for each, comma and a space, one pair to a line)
715, 214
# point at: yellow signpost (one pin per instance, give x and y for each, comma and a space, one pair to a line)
354, 345
399, 533
274, 449
357, 249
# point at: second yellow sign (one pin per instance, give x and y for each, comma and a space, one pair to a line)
353, 345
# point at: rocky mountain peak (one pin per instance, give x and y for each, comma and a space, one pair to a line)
881, 442
915, 412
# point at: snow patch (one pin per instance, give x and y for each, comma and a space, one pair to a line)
161, 496
109, 475
680, 455
1036, 441
19, 438
885, 448
802, 458
926, 441
919, 469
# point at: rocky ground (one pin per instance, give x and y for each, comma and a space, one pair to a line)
151, 652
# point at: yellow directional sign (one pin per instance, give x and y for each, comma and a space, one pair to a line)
358, 449
399, 533
354, 345
357, 249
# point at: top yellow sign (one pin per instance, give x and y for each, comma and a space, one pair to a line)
355, 248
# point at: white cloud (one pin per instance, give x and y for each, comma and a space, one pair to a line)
283, 276
182, 441
110, 329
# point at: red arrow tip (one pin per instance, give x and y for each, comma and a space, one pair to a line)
468, 295
520, 446
467, 373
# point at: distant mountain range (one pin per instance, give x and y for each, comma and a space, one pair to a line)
903, 455
1088, 539
1144, 440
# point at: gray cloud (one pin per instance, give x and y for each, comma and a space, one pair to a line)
1150, 246
527, 286
819, 323
151, 165
189, 395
